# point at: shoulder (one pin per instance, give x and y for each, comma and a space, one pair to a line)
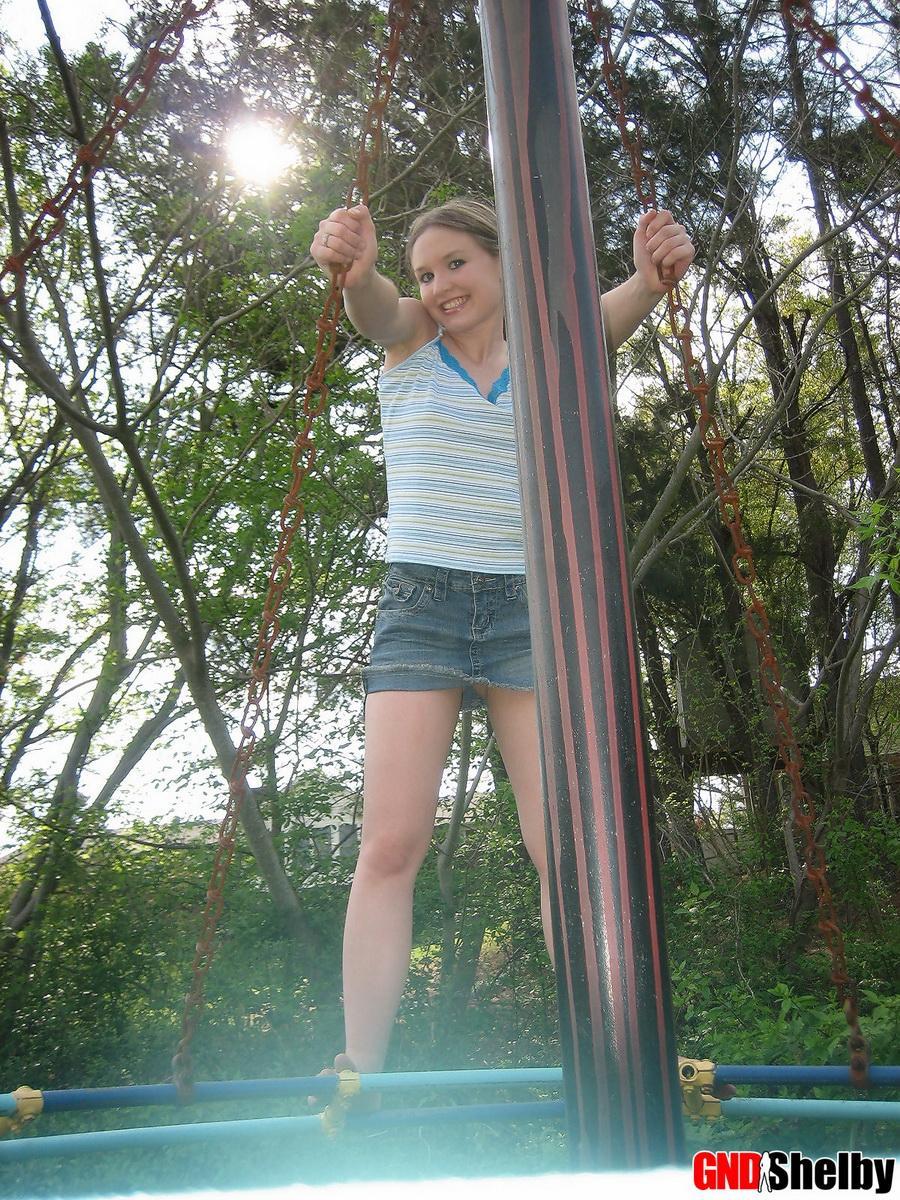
411, 370
419, 329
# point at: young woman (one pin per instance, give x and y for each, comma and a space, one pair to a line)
452, 623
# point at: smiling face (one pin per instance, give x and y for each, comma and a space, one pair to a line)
459, 280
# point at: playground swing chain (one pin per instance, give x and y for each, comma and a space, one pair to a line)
799, 14
292, 511
50, 223
47, 226
885, 124
51, 219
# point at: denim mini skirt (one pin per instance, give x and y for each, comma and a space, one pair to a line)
442, 628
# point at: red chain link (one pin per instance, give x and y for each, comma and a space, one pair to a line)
802, 805
370, 144
799, 13
292, 510
52, 217
617, 86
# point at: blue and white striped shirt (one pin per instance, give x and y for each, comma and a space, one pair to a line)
453, 483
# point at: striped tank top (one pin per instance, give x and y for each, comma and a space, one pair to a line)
452, 479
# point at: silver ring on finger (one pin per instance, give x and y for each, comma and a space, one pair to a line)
325, 240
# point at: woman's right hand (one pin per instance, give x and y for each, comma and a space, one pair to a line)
346, 238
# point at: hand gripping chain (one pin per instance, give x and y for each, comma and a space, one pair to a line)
802, 805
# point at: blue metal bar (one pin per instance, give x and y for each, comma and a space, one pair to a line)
812, 1110
535, 1110
805, 1076
206, 1132
75, 1144
70, 1145
134, 1096
516, 1077
139, 1095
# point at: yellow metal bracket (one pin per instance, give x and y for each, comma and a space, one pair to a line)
697, 1077
29, 1104
335, 1115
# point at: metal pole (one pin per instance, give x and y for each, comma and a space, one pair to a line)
619, 1058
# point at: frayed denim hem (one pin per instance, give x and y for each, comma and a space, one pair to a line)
425, 677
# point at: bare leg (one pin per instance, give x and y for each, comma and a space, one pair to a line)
514, 718
408, 736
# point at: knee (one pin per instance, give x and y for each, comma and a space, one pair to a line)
390, 857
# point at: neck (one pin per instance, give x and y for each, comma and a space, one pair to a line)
478, 346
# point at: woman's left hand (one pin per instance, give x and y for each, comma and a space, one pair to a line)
661, 246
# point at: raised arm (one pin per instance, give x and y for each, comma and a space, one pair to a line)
372, 302
659, 242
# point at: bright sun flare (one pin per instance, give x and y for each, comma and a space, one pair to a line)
257, 152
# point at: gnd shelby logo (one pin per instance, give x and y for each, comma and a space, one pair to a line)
783, 1170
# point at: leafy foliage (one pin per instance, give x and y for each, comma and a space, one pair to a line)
138, 510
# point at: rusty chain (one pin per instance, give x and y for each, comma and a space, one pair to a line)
757, 620
164, 48
304, 455
886, 125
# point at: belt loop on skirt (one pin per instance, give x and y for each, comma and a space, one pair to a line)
440, 583
512, 586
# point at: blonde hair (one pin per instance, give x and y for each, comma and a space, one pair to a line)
474, 217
